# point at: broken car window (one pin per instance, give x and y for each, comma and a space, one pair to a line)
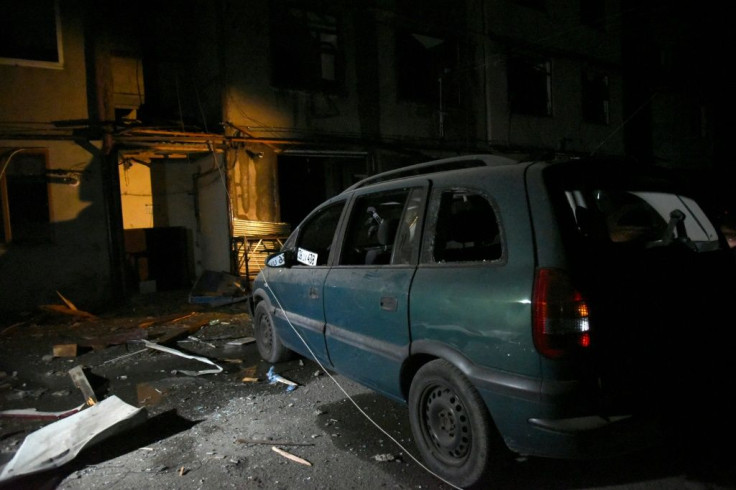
374, 222
650, 218
314, 236
467, 229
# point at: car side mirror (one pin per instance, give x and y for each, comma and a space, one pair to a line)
287, 258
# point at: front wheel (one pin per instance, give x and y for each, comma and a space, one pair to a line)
267, 339
452, 427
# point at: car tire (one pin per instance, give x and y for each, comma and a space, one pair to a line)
452, 428
268, 341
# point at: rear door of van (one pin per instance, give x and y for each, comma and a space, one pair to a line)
659, 280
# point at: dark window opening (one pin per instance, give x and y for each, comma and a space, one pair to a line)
28, 31
305, 49
427, 68
467, 229
529, 81
24, 199
595, 98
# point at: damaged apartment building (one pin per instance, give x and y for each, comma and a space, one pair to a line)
144, 143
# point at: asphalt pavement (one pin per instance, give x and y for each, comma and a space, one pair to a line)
235, 427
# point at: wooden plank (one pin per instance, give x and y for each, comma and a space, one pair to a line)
65, 350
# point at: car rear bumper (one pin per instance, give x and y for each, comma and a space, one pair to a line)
592, 437
561, 420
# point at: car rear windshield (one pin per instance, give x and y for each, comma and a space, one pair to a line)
627, 207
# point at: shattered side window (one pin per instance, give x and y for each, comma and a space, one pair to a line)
375, 220
314, 236
466, 229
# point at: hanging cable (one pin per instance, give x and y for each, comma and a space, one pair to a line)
7, 160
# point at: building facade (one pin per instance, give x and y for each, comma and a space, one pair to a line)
169, 138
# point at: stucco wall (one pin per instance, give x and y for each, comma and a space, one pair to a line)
75, 259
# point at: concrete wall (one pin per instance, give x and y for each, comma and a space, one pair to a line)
210, 63
254, 184
572, 47
488, 32
368, 108
75, 260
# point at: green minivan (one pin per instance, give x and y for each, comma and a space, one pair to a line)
563, 309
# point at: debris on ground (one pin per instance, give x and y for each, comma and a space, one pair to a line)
167, 319
277, 378
65, 350
81, 382
218, 369
248, 375
290, 456
242, 341
34, 414
68, 308
218, 289
60, 442
133, 348
195, 339
149, 395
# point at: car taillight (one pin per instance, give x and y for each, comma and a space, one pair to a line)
560, 315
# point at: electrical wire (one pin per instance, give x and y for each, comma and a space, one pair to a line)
7, 160
355, 404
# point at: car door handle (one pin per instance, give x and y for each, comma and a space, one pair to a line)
313, 293
389, 303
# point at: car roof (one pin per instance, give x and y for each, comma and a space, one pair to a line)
435, 166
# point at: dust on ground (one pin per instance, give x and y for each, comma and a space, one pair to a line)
208, 431
220, 430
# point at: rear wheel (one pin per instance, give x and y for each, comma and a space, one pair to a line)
452, 427
267, 339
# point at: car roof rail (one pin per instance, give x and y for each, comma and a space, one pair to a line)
442, 165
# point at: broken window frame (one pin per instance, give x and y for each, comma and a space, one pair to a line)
465, 227
35, 224
38, 42
316, 234
363, 243
427, 74
305, 48
530, 85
